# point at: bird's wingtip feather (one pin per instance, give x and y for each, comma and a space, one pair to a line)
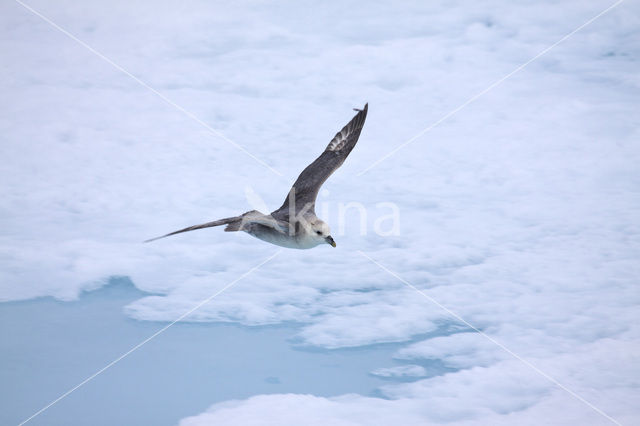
153, 239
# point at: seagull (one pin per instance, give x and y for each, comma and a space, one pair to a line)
295, 224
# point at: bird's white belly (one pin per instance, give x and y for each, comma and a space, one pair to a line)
301, 242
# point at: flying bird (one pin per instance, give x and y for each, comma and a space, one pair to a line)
295, 224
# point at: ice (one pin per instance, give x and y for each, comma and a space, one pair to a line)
518, 213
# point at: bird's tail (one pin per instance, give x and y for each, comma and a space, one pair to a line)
233, 224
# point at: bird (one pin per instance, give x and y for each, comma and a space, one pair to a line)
295, 224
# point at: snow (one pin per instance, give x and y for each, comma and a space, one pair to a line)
519, 212
401, 371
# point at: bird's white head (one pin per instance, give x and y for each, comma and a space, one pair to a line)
321, 233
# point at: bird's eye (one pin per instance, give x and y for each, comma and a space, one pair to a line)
319, 232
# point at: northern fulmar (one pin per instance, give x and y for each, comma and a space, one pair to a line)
295, 224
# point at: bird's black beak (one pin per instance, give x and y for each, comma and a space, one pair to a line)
329, 240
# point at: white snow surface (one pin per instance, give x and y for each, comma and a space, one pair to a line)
520, 213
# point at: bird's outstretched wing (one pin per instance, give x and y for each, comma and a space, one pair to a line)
237, 223
305, 189
225, 221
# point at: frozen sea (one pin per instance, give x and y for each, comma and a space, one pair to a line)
54, 345
488, 228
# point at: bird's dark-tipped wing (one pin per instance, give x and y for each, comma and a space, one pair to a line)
225, 221
305, 189
236, 223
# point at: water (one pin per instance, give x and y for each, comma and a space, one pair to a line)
48, 347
